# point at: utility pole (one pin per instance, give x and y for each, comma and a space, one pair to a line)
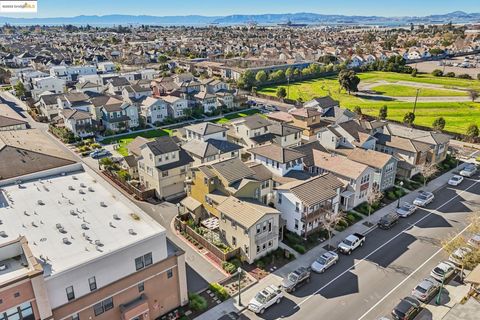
415, 104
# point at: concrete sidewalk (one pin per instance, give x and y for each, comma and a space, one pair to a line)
306, 259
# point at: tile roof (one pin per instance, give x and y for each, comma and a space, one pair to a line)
282, 129
338, 164
371, 158
161, 145
232, 170
305, 112
307, 150
245, 212
206, 128
277, 153
253, 122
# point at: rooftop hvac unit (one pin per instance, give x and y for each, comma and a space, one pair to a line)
91, 189
132, 232
70, 188
62, 230
103, 204
73, 213
98, 243
58, 226
116, 217
40, 202
74, 178
81, 191
84, 226
83, 185
34, 224
3, 234
66, 241
111, 225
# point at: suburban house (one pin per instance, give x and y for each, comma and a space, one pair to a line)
385, 166
309, 120
286, 135
411, 154
250, 131
153, 110
208, 101
47, 84
177, 106
119, 116
279, 160
163, 166
265, 177
249, 225
346, 135
207, 142
78, 121
48, 105
303, 204
357, 177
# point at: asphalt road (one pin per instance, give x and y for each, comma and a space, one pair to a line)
370, 282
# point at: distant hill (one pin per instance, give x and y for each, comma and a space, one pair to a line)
303, 17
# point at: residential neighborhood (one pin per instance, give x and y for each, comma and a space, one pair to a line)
261, 169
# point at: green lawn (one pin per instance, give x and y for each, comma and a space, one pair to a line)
126, 139
396, 90
239, 114
458, 115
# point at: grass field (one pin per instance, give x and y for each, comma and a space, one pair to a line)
458, 115
397, 90
239, 114
125, 140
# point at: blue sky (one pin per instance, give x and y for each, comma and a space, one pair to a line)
66, 8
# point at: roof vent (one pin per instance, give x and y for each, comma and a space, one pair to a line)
84, 226
40, 202
98, 243
132, 232
91, 189
66, 241
58, 226
102, 204
3, 234
74, 178
71, 188
83, 185
34, 224
73, 213
111, 225
62, 230
116, 217
81, 191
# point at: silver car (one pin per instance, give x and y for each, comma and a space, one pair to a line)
443, 270
469, 170
423, 199
426, 289
325, 261
406, 209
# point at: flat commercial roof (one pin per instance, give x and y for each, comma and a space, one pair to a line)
71, 219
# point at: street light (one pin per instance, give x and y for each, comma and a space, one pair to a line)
398, 203
437, 301
239, 270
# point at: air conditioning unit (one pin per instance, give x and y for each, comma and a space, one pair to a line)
84, 226
40, 202
103, 204
66, 241
132, 232
116, 217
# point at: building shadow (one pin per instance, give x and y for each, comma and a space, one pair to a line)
392, 250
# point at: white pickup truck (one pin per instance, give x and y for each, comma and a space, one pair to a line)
265, 298
351, 243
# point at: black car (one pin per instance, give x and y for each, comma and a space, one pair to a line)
406, 309
388, 220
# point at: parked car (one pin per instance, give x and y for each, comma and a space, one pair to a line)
426, 289
474, 241
406, 209
295, 279
423, 199
351, 243
406, 309
443, 270
457, 256
99, 153
388, 220
455, 180
325, 261
469, 170
265, 298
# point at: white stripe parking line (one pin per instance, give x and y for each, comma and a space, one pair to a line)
383, 245
411, 274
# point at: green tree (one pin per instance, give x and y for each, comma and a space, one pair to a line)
437, 73
472, 132
438, 123
261, 77
409, 118
348, 80
19, 89
450, 74
383, 112
281, 92
162, 58
289, 73
357, 110
246, 80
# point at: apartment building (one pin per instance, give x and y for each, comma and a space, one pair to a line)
73, 247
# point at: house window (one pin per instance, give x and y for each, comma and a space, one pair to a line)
297, 206
205, 181
270, 243
165, 174
92, 283
258, 249
103, 306
169, 273
296, 224
270, 226
143, 261
70, 293
279, 198
141, 287
259, 228
76, 317
234, 241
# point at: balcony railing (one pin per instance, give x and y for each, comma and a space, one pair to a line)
320, 212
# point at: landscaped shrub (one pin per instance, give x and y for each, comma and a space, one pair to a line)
197, 302
260, 264
219, 291
465, 76
229, 267
299, 248
293, 238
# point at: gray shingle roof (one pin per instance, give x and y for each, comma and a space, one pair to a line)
161, 145
278, 153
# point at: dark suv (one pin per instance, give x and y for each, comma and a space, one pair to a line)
388, 220
406, 309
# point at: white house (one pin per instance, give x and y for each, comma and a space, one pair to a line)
71, 73
176, 106
50, 84
279, 160
78, 121
153, 110
304, 203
